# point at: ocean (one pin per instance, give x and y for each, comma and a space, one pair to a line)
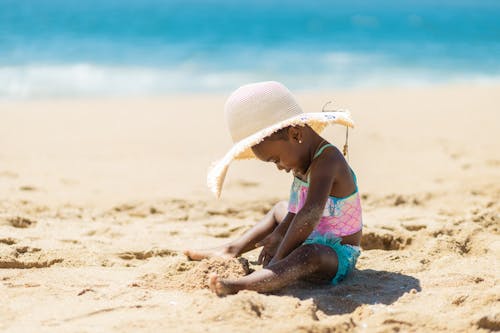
69, 48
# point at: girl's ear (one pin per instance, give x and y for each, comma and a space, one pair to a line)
295, 134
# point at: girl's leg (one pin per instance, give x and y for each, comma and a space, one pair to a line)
247, 241
303, 261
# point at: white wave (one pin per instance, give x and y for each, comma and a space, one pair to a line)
334, 70
33, 81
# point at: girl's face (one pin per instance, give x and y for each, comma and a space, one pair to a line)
287, 154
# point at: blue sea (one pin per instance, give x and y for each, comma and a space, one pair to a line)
67, 48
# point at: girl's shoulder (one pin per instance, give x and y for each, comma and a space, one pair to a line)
330, 166
329, 159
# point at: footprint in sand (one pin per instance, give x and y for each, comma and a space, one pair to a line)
124, 207
397, 199
413, 226
140, 210
143, 255
27, 257
27, 249
244, 210
27, 188
486, 217
490, 322
228, 212
20, 222
70, 241
226, 233
217, 224
246, 183
19, 264
8, 241
383, 240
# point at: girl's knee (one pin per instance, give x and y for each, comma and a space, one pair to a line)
280, 210
311, 255
281, 206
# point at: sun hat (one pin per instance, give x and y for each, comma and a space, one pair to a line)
257, 110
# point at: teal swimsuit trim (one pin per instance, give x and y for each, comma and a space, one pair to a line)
347, 255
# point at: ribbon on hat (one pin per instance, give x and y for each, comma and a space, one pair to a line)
345, 150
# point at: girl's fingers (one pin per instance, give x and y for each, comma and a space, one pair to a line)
261, 256
271, 262
267, 259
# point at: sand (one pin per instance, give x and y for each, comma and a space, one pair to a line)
98, 198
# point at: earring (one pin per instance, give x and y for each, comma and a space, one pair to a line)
300, 141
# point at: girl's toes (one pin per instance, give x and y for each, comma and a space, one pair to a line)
216, 286
194, 255
212, 282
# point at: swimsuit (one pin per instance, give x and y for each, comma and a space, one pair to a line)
341, 217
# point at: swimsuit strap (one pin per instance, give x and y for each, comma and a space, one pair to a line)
319, 153
316, 155
321, 150
354, 178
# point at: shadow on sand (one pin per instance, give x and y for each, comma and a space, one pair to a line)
363, 287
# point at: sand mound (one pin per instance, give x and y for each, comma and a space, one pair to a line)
193, 275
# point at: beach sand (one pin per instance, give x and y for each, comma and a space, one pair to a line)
98, 198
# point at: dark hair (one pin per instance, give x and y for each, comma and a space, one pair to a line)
280, 134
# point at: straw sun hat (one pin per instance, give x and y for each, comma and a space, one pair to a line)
255, 111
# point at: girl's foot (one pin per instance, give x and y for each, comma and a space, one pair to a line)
221, 252
218, 286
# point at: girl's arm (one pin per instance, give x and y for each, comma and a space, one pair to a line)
283, 225
273, 240
304, 222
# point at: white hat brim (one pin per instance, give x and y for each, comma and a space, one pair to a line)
243, 148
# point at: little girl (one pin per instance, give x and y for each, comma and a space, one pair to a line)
318, 233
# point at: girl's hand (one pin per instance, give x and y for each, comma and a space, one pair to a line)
271, 244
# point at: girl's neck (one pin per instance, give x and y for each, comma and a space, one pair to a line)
318, 147
316, 142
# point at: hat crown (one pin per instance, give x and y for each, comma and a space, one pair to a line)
256, 106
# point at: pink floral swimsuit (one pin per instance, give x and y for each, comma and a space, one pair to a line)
341, 217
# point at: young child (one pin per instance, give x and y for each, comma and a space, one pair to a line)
317, 235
